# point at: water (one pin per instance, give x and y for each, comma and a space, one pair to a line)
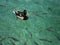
42, 15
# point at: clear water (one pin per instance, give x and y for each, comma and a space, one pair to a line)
43, 22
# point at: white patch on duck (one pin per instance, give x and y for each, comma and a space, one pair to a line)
18, 16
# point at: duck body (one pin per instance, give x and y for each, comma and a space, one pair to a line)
21, 15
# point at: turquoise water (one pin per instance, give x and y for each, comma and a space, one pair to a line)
42, 27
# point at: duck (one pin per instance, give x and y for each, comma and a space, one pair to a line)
21, 15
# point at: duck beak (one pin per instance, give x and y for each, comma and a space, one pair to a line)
14, 12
